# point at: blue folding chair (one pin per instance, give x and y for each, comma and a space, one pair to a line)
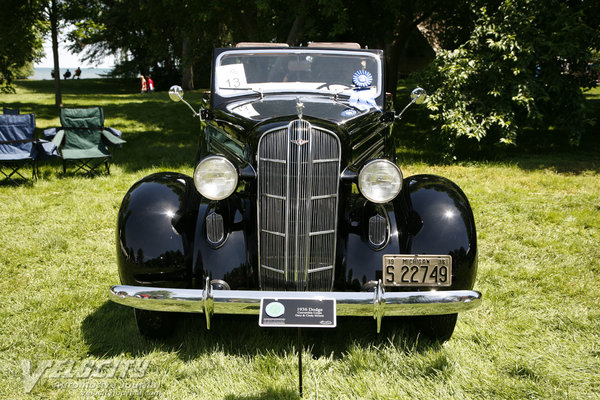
10, 111
19, 148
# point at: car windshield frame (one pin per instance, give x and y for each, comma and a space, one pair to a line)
232, 80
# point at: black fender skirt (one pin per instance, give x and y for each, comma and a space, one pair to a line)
430, 216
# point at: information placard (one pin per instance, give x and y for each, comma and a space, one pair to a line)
300, 313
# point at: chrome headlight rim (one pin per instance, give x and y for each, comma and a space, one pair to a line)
226, 167
367, 191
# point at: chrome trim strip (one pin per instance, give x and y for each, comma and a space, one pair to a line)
304, 125
321, 232
370, 152
308, 208
366, 139
273, 160
272, 269
310, 271
274, 233
274, 196
287, 204
374, 304
325, 196
325, 161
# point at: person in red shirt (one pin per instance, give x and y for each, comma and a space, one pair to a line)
150, 83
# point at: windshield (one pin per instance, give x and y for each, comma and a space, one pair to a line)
241, 72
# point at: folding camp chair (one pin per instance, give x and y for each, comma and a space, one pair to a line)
18, 147
82, 140
10, 111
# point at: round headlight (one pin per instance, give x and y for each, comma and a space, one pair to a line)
380, 181
215, 178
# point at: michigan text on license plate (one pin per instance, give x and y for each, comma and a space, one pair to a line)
417, 270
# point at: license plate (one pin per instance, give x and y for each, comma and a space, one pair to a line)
417, 270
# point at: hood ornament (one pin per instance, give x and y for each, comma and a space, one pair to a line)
299, 107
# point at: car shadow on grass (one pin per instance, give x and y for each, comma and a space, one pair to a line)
268, 394
111, 331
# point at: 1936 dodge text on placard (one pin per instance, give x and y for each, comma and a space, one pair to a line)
301, 313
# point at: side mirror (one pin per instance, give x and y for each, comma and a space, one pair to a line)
418, 95
176, 93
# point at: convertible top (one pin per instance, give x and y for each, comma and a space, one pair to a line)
328, 45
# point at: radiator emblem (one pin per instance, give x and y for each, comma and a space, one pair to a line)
299, 142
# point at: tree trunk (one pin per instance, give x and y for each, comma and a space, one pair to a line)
393, 52
296, 28
54, 32
187, 81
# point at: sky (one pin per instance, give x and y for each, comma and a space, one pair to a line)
66, 59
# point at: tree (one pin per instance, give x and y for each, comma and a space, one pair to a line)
177, 36
382, 24
522, 68
53, 15
21, 38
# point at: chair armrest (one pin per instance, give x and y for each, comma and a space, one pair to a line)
51, 132
112, 138
114, 131
45, 149
58, 138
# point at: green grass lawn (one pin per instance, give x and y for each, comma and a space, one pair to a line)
536, 336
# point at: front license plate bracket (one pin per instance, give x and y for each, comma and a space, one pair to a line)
417, 270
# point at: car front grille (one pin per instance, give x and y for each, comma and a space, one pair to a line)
298, 177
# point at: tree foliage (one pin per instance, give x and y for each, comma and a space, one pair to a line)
522, 68
21, 38
503, 67
172, 36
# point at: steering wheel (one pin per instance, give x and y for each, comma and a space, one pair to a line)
328, 85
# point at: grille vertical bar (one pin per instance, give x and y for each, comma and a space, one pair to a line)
298, 177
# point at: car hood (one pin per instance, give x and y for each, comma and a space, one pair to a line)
321, 107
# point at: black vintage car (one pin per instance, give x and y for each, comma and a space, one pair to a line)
297, 194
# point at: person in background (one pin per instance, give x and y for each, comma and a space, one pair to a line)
77, 73
67, 74
150, 84
144, 84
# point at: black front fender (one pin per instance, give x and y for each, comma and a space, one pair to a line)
430, 216
155, 231
439, 220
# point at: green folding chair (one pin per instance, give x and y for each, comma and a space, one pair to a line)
83, 140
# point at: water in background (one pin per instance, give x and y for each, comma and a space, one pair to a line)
86, 73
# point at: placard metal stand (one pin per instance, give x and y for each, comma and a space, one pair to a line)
298, 313
300, 349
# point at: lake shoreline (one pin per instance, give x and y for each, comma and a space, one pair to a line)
41, 74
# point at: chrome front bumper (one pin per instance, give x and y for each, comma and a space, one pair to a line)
376, 304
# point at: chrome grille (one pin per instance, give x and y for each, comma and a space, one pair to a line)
298, 175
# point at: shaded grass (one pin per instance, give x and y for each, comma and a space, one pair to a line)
537, 335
